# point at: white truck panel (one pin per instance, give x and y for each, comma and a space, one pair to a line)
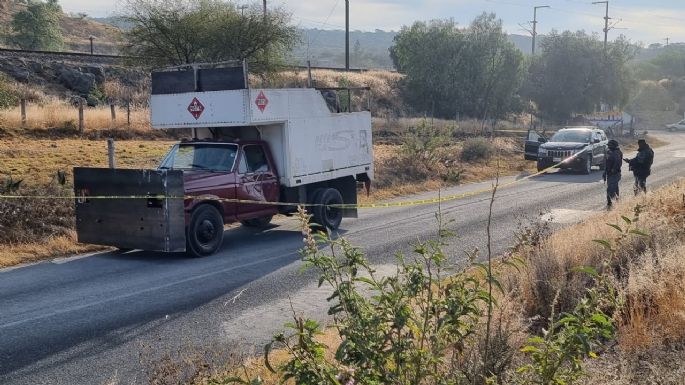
308, 142
219, 109
269, 105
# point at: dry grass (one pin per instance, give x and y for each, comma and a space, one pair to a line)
52, 247
663, 217
57, 114
37, 161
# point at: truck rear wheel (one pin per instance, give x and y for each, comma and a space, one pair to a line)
205, 232
325, 215
257, 222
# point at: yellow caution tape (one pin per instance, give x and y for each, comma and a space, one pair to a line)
349, 206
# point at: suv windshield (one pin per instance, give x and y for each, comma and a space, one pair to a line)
574, 136
212, 157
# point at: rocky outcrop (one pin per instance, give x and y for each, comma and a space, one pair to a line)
68, 79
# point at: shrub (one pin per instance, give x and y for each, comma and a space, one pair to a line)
475, 150
9, 97
18, 217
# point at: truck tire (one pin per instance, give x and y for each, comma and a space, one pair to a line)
205, 233
324, 215
257, 222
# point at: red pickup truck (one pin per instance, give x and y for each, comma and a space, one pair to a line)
254, 153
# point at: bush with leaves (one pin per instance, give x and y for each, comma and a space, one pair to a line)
406, 328
476, 150
30, 219
9, 97
558, 355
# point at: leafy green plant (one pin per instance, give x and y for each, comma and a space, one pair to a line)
422, 143
406, 328
8, 95
558, 355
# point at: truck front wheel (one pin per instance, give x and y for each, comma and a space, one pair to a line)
325, 213
205, 232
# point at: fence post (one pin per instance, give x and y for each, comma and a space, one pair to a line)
23, 111
128, 113
309, 74
112, 108
81, 123
110, 153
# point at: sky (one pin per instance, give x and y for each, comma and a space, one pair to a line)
642, 21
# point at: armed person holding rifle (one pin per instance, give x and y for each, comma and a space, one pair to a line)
641, 165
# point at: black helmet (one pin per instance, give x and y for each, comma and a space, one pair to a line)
613, 144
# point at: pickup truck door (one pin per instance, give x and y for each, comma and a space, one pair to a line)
533, 141
257, 181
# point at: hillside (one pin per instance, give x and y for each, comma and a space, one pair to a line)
76, 30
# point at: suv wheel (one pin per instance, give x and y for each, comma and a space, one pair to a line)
205, 232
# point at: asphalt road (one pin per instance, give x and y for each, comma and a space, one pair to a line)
105, 318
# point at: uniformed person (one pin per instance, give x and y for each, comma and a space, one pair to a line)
641, 165
612, 173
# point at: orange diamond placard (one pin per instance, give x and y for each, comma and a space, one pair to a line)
262, 101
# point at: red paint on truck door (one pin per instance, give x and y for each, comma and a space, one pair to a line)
257, 181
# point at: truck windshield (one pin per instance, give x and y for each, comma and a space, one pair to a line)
571, 136
210, 157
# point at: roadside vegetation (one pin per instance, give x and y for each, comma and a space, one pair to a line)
601, 301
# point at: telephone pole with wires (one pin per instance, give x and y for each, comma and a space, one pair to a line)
668, 40
606, 22
535, 23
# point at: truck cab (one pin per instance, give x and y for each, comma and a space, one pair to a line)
227, 172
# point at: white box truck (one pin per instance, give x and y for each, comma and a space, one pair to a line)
253, 153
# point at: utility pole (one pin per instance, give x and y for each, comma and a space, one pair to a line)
242, 9
264, 9
668, 39
606, 22
347, 35
535, 23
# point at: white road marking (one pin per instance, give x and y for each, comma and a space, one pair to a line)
63, 260
566, 216
679, 154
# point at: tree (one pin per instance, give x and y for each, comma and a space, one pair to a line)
474, 71
177, 32
574, 74
37, 27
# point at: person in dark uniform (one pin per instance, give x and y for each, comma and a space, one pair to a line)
641, 165
612, 173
